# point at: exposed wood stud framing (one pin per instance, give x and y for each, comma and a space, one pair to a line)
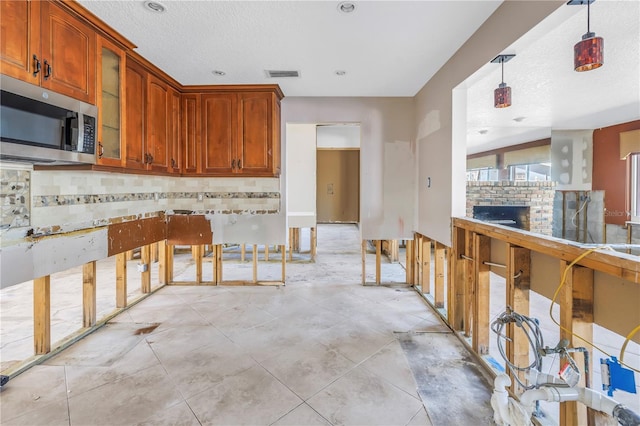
129, 254
155, 252
163, 278
243, 252
481, 293
518, 282
89, 294
409, 261
418, 263
121, 280
470, 283
576, 316
266, 252
169, 262
42, 315
284, 262
313, 243
439, 275
426, 265
145, 278
197, 254
218, 262
457, 284
363, 251
290, 244
378, 261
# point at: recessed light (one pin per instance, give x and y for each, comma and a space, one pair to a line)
483, 131
519, 119
346, 7
218, 73
155, 6
340, 73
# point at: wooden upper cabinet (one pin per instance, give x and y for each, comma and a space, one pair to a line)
68, 54
255, 142
190, 133
219, 133
158, 116
135, 101
175, 151
20, 39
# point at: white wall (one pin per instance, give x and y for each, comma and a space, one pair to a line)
386, 126
301, 175
439, 154
572, 159
347, 136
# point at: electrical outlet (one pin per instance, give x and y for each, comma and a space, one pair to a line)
142, 267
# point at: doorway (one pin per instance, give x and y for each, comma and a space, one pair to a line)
338, 185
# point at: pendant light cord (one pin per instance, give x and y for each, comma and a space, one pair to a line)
588, 16
502, 63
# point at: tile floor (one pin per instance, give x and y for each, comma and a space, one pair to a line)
319, 351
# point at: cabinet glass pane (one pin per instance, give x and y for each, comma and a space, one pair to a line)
110, 107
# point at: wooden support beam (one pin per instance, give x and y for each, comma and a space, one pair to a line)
313, 243
296, 239
89, 294
470, 283
197, 253
378, 261
121, 280
169, 263
163, 277
481, 293
455, 310
438, 294
243, 252
576, 316
518, 283
409, 261
266, 252
154, 252
426, 265
290, 244
129, 255
418, 263
363, 251
42, 315
284, 262
145, 277
218, 262
255, 263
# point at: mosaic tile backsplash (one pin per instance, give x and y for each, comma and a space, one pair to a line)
50, 198
14, 198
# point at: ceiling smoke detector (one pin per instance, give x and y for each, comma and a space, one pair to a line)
346, 7
282, 73
155, 6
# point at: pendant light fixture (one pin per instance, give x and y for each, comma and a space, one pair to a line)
502, 95
588, 53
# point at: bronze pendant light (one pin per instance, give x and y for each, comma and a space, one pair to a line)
588, 53
502, 95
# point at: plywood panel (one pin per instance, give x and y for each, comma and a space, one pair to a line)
338, 193
136, 233
188, 230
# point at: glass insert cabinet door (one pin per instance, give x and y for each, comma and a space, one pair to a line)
109, 151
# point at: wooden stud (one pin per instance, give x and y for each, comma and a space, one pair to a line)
576, 316
518, 283
418, 262
426, 265
378, 261
129, 255
455, 311
481, 293
169, 263
145, 277
438, 294
243, 252
363, 251
470, 283
42, 315
290, 244
121, 280
284, 262
313, 243
197, 251
89, 294
266, 252
219, 253
409, 256
155, 252
255, 263
162, 262
564, 213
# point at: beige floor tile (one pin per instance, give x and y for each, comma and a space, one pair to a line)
362, 398
302, 415
307, 369
252, 397
391, 364
53, 414
41, 388
355, 341
172, 315
176, 415
420, 419
236, 319
125, 402
183, 337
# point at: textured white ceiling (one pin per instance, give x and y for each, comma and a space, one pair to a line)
547, 92
387, 48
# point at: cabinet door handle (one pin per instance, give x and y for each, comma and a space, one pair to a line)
100, 150
239, 166
233, 163
150, 158
47, 69
173, 163
36, 65
146, 158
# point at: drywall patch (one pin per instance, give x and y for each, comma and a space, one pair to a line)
429, 124
14, 198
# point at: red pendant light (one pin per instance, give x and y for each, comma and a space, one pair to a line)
502, 95
588, 53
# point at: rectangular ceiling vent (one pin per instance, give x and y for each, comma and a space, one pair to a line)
282, 73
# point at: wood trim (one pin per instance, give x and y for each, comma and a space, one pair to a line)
200, 89
620, 265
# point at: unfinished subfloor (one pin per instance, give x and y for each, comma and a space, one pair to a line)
321, 350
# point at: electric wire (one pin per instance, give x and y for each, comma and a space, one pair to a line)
626, 341
557, 292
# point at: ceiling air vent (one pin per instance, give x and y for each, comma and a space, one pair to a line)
281, 73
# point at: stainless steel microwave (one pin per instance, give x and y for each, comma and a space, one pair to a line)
42, 127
